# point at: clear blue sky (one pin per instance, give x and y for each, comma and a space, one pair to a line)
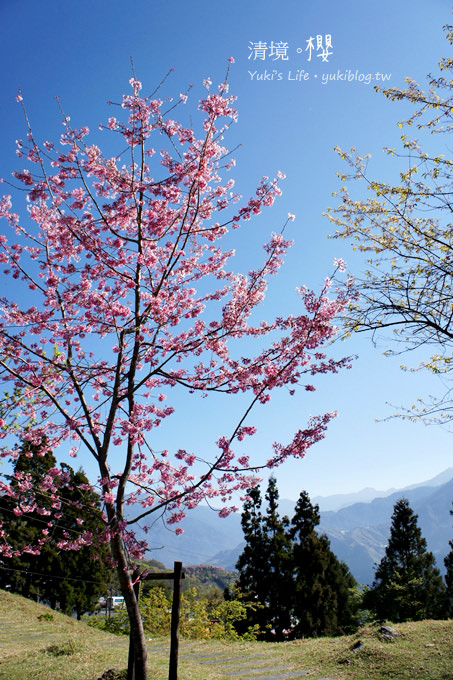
80, 50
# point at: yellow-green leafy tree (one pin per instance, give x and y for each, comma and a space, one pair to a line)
406, 232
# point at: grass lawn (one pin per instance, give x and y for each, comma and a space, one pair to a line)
39, 644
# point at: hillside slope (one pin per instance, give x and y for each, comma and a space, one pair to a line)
34, 646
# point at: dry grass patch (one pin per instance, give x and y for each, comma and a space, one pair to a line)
422, 650
38, 644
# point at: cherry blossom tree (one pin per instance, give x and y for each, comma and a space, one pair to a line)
120, 292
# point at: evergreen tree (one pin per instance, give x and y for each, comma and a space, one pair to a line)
265, 563
278, 599
292, 572
322, 600
448, 562
83, 574
22, 572
253, 561
68, 579
407, 585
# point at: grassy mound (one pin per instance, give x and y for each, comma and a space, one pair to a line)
39, 644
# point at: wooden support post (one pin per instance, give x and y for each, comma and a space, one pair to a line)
174, 638
176, 577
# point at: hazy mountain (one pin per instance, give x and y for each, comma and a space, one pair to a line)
376, 512
440, 479
204, 535
338, 501
343, 500
358, 532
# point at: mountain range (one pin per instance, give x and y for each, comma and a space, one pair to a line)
357, 525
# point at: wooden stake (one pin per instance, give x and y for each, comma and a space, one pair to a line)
176, 577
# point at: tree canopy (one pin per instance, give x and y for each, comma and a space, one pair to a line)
407, 584
74, 580
302, 589
405, 231
124, 295
448, 563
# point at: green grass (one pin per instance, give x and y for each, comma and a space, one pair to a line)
38, 644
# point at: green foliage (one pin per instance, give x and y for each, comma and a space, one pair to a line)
70, 580
201, 618
155, 608
448, 562
405, 230
407, 585
205, 620
286, 567
229, 613
117, 623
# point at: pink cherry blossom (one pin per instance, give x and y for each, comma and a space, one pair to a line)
121, 290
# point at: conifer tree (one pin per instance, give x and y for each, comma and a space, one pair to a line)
292, 572
322, 602
407, 584
265, 563
448, 562
279, 566
83, 575
253, 560
21, 572
65, 579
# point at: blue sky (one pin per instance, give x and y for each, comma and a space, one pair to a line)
81, 51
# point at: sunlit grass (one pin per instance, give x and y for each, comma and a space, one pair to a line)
39, 644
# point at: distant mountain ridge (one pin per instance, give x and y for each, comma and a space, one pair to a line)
339, 501
343, 500
358, 532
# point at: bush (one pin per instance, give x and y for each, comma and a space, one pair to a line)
201, 618
118, 623
156, 612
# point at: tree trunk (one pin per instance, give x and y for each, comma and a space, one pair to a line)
133, 611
